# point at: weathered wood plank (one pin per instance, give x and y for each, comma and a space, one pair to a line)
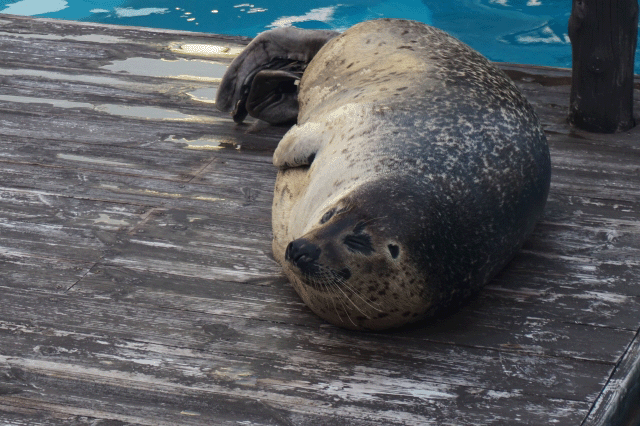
55, 274
213, 408
116, 124
183, 166
121, 188
529, 375
203, 373
222, 328
85, 46
182, 244
49, 226
247, 206
510, 326
618, 404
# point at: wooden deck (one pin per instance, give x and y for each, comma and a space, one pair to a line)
137, 284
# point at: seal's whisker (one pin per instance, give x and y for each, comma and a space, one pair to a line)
339, 283
333, 301
361, 297
346, 311
328, 277
342, 282
325, 281
355, 305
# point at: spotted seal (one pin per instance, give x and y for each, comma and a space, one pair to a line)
415, 171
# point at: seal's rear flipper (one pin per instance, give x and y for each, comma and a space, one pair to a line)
288, 49
274, 96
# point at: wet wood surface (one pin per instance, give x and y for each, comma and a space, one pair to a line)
137, 284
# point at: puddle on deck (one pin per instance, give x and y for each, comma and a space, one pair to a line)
58, 103
206, 50
192, 49
157, 113
91, 38
83, 78
183, 69
143, 112
147, 112
208, 143
206, 95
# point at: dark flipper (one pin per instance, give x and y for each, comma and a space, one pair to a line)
248, 87
274, 96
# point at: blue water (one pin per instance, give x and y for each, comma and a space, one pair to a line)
520, 31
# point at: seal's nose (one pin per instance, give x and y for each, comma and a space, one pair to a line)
303, 254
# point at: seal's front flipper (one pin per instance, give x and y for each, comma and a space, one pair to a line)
289, 49
274, 96
299, 146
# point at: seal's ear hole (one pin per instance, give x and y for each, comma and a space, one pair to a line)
394, 250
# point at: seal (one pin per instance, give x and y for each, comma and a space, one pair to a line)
415, 172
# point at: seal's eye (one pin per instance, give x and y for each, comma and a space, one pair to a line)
394, 250
360, 243
328, 215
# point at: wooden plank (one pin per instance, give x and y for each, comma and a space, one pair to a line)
619, 402
509, 328
343, 385
127, 189
52, 228
55, 274
288, 411
59, 44
230, 201
25, 118
182, 365
183, 166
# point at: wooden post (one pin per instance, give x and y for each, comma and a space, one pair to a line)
603, 37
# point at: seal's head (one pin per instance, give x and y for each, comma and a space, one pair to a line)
354, 271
